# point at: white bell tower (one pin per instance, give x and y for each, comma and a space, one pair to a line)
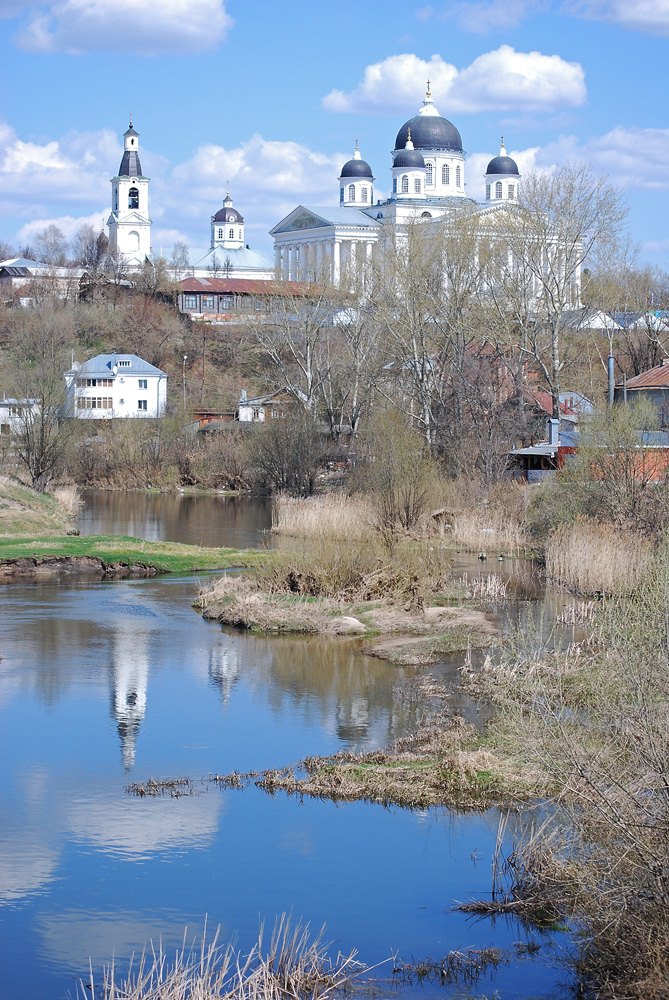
129, 223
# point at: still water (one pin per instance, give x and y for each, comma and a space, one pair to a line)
102, 683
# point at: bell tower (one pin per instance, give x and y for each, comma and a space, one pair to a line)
129, 223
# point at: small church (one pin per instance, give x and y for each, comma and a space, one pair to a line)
227, 256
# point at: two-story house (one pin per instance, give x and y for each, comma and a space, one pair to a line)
115, 385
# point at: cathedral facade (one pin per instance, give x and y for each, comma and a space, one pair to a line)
428, 180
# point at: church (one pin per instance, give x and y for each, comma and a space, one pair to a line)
428, 180
129, 225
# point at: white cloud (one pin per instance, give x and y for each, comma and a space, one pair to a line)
500, 80
651, 16
633, 158
490, 15
68, 225
147, 27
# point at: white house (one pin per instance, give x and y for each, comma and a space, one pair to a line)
14, 414
115, 385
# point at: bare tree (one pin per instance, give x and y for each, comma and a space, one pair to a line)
90, 249
51, 246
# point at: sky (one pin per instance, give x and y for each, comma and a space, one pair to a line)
271, 97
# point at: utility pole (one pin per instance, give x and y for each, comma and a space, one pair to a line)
184, 380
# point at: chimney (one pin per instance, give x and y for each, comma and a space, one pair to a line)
553, 431
243, 396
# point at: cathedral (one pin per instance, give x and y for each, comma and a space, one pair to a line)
428, 180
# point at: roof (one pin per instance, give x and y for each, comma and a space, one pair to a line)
103, 364
130, 165
340, 215
356, 168
244, 286
502, 165
430, 132
228, 214
409, 158
239, 257
657, 377
21, 262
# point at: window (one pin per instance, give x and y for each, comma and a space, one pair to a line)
91, 383
15, 411
124, 364
351, 192
207, 303
445, 174
275, 414
394, 185
512, 192
231, 234
240, 234
429, 173
190, 301
416, 185
226, 302
133, 198
363, 194
458, 176
94, 403
405, 184
341, 194
141, 404
487, 192
143, 383
498, 189
220, 234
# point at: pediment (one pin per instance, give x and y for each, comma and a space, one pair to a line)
301, 218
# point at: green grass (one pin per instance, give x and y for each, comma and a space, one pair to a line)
166, 557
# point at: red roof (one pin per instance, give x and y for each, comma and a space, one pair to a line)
655, 378
545, 401
245, 286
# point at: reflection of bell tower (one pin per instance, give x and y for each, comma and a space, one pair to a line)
131, 675
224, 670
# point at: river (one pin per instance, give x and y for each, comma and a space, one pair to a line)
102, 683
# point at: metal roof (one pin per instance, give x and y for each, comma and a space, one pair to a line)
103, 365
21, 262
430, 132
244, 286
655, 378
130, 165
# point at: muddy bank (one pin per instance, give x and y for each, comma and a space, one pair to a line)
56, 566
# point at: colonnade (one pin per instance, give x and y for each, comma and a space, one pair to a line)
309, 260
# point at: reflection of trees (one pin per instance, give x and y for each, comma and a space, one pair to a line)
327, 681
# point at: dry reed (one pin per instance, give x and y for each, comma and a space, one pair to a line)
292, 965
334, 516
590, 557
482, 529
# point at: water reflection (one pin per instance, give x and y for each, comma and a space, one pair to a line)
239, 522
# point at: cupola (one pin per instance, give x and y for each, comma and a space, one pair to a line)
356, 182
502, 179
227, 226
408, 172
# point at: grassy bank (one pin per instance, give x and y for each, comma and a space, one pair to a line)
112, 550
24, 511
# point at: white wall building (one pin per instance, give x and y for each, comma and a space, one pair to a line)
16, 413
115, 385
428, 180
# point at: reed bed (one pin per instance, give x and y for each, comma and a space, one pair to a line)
594, 558
292, 965
481, 529
336, 516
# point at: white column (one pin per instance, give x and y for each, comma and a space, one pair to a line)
277, 259
336, 262
319, 260
369, 251
291, 263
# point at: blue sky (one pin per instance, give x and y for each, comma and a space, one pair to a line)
273, 95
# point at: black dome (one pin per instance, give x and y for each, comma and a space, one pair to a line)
356, 168
408, 158
502, 165
430, 132
227, 214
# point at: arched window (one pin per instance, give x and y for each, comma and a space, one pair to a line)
512, 192
231, 234
416, 185
487, 192
363, 194
445, 174
240, 234
405, 184
133, 240
394, 185
426, 215
498, 189
341, 194
351, 192
133, 198
429, 173
458, 176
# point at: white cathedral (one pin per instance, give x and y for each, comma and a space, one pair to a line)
428, 180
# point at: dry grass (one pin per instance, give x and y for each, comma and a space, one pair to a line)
335, 516
590, 558
292, 965
482, 529
68, 499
